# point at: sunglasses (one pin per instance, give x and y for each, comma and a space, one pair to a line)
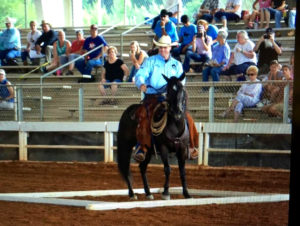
250, 74
94, 28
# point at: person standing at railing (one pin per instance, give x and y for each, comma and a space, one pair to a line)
61, 52
247, 96
32, 37
137, 57
114, 71
10, 42
44, 44
220, 58
76, 50
241, 57
93, 59
6, 92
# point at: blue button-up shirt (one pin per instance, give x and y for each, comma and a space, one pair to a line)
221, 53
150, 73
10, 39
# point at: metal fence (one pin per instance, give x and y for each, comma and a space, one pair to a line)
83, 102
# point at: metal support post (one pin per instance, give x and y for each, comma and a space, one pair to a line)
286, 103
20, 103
80, 104
211, 103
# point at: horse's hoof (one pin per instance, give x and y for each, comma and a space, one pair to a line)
133, 198
165, 197
150, 197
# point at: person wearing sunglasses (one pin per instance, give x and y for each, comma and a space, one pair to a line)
247, 96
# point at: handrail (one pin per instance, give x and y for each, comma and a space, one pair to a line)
138, 25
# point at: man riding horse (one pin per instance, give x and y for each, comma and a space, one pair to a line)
149, 80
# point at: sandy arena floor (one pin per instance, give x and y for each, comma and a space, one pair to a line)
48, 177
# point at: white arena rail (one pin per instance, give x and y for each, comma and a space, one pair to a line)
109, 128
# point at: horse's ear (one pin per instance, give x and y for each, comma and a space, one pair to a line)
166, 78
182, 76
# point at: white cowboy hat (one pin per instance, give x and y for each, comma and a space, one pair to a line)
164, 41
9, 20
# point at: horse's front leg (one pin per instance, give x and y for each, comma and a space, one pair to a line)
167, 170
181, 166
143, 169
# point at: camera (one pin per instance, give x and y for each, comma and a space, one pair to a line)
199, 35
267, 36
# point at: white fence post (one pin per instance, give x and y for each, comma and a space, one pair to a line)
23, 146
206, 146
200, 157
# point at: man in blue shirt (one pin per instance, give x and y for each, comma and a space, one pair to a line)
150, 81
220, 58
187, 35
6, 92
10, 43
93, 59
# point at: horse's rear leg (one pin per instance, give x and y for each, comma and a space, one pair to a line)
164, 157
181, 166
143, 169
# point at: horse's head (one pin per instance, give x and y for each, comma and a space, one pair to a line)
176, 96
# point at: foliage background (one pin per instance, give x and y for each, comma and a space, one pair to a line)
112, 11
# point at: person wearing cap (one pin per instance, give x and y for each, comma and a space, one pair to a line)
232, 11
93, 59
220, 58
150, 81
45, 42
165, 27
241, 57
187, 36
76, 49
10, 42
6, 92
268, 50
207, 10
201, 50
32, 37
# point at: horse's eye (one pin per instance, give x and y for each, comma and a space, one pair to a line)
175, 88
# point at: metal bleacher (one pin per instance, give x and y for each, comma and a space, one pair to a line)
62, 101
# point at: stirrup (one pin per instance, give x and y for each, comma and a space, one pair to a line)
139, 155
193, 153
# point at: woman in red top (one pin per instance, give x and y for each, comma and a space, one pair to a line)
76, 49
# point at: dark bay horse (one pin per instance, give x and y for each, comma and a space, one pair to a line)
173, 138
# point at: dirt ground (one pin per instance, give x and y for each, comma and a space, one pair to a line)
48, 177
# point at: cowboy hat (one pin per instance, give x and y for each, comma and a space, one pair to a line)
164, 41
9, 20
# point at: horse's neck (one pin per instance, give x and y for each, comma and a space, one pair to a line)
176, 125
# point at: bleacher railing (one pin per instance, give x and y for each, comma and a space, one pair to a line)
83, 102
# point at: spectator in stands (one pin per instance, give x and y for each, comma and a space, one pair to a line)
76, 50
291, 16
10, 43
61, 52
93, 59
32, 37
249, 19
241, 57
150, 81
114, 71
220, 58
247, 96
207, 10
268, 50
6, 92
276, 107
187, 36
201, 51
164, 27
176, 10
44, 44
211, 30
271, 90
276, 10
263, 13
137, 57
232, 11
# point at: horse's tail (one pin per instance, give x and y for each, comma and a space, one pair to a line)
126, 139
